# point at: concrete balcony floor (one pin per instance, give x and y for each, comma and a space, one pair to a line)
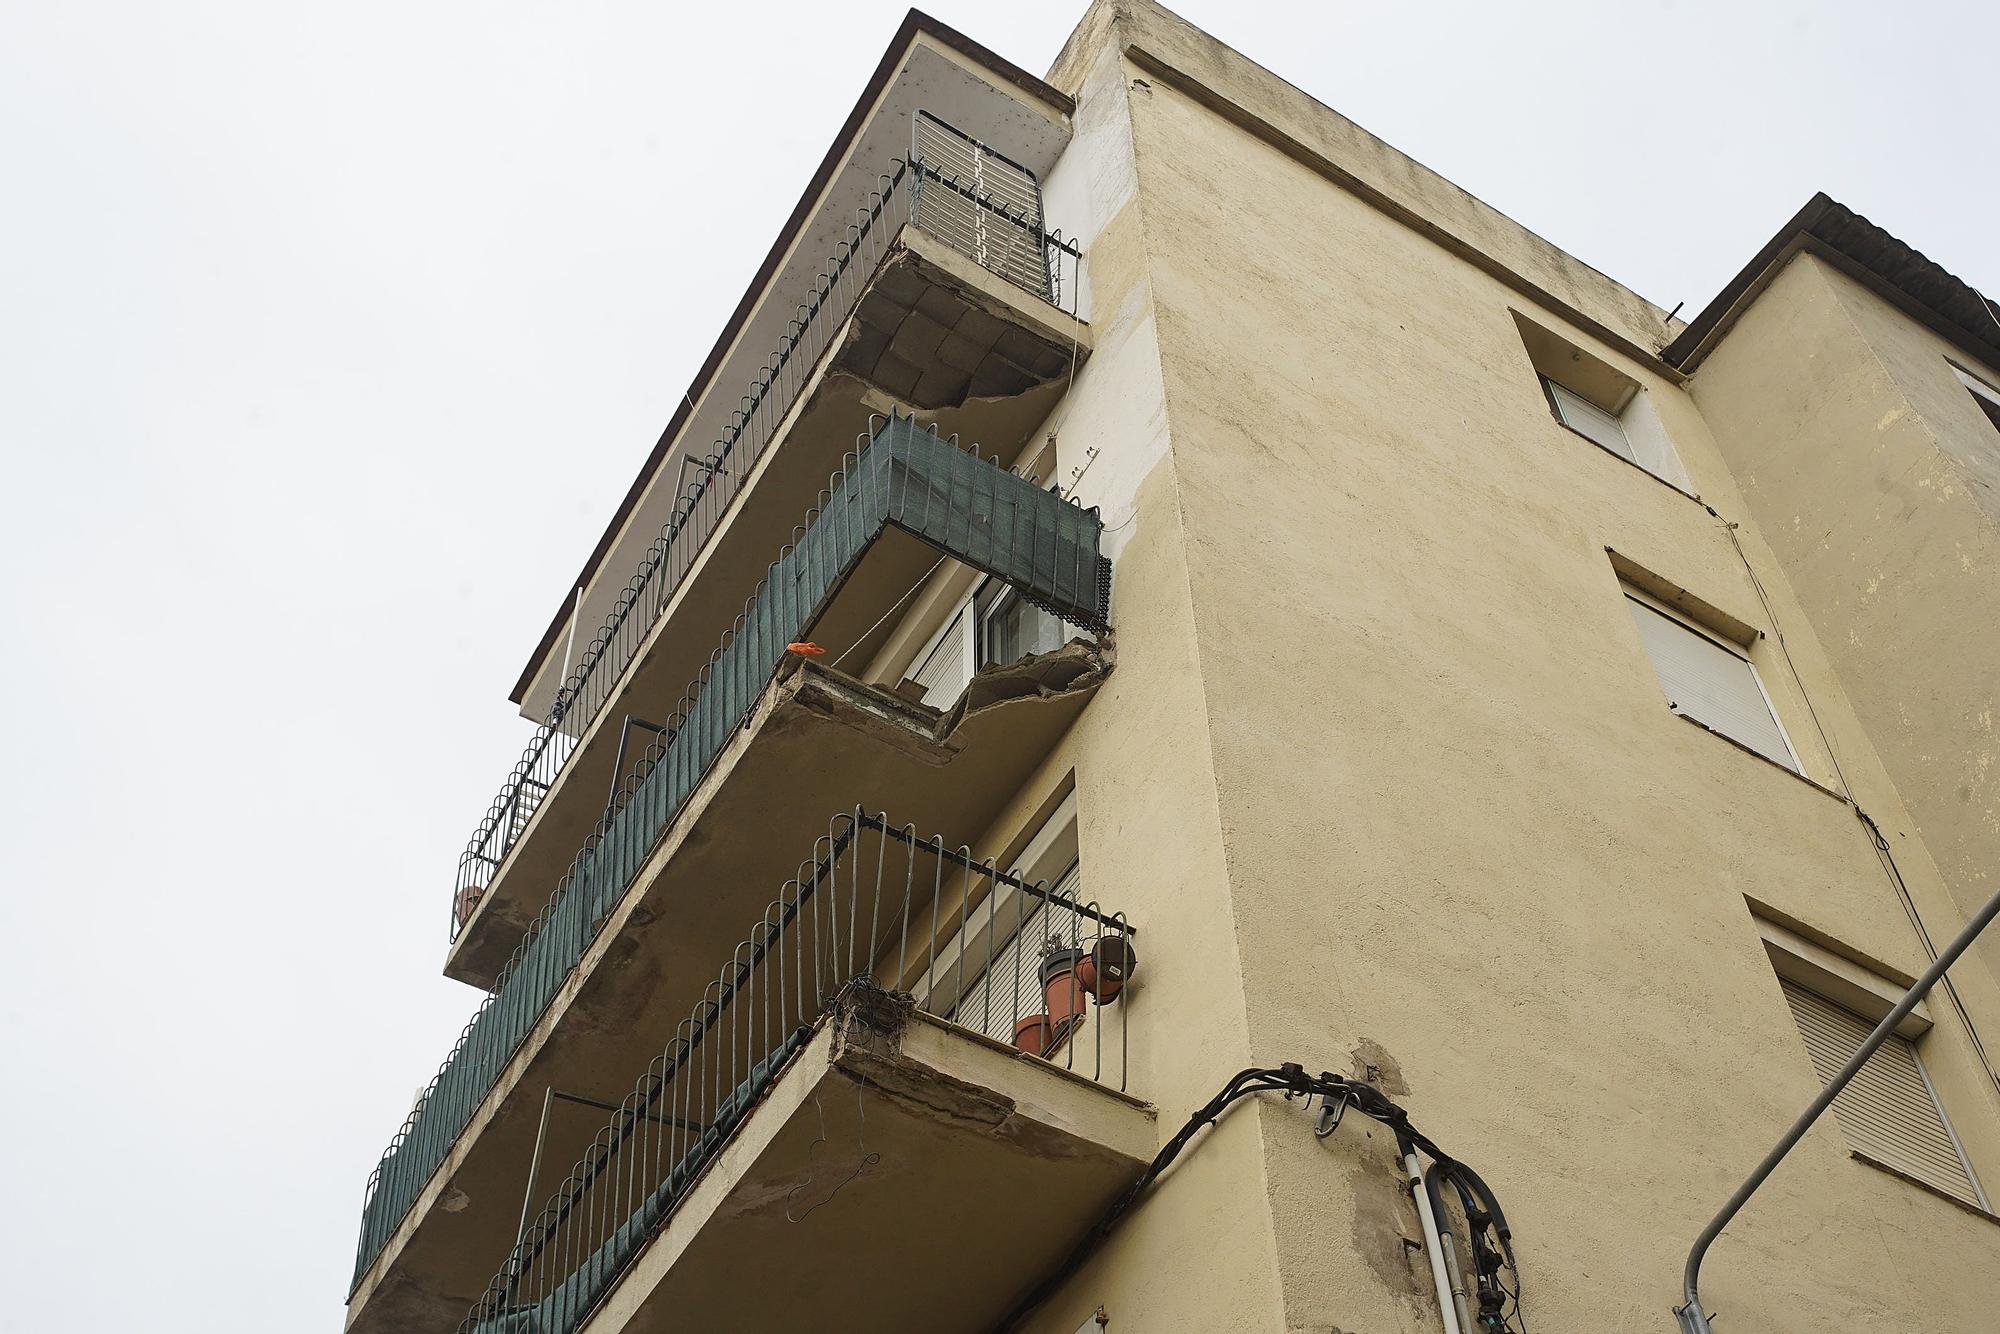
932, 332
817, 743
951, 1173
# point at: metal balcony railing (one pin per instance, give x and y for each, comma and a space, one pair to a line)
969, 197
905, 476
875, 905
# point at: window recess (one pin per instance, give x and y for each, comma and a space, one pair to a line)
1600, 403
1710, 679
1984, 394
989, 974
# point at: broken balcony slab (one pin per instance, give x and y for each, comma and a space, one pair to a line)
1014, 355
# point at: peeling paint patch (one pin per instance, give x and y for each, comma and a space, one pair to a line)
1374, 1065
1381, 1228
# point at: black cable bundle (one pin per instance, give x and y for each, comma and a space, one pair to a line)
1482, 1209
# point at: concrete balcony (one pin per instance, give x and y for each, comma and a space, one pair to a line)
900, 1173
929, 330
834, 1092
711, 822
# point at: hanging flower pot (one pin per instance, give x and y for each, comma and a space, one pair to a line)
1061, 988
1033, 1035
1108, 967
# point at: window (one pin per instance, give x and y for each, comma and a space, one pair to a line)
1888, 1113
945, 664
992, 626
1600, 402
1587, 419
1709, 679
990, 974
1012, 628
1984, 394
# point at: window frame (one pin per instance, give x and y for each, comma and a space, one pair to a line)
1052, 858
1984, 395
1550, 389
992, 606
1682, 619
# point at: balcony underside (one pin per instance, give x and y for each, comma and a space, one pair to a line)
934, 332
817, 742
935, 1177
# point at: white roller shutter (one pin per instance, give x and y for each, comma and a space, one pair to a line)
989, 973
1710, 682
1585, 417
1010, 987
944, 668
1888, 1111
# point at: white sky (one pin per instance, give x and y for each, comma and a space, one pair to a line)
331, 334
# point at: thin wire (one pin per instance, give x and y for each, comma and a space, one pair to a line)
1991, 312
866, 1159
863, 637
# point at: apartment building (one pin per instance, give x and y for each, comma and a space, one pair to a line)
1152, 584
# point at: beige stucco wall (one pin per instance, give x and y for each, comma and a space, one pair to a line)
1202, 1254
1878, 480
1385, 780
1383, 762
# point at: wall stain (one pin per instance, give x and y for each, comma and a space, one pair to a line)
1374, 1065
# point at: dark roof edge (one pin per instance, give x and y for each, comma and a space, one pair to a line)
914, 23
1923, 289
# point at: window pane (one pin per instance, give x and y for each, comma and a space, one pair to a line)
1709, 683
1016, 628
1586, 417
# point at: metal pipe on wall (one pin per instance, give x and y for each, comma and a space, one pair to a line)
1693, 1319
1433, 1243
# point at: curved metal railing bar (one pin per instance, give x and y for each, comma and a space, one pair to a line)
900, 474
875, 905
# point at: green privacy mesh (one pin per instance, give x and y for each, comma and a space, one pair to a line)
906, 477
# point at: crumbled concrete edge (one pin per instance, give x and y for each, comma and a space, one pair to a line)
1077, 667
881, 714
868, 1026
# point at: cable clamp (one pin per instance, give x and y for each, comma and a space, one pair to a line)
1331, 1109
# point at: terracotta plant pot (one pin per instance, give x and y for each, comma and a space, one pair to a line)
1032, 1034
1061, 987
1107, 968
468, 899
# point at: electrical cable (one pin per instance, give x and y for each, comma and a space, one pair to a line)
1338, 1095
1483, 1217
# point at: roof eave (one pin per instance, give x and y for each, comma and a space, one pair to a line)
916, 23
1833, 232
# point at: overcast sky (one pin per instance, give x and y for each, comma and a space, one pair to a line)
331, 334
